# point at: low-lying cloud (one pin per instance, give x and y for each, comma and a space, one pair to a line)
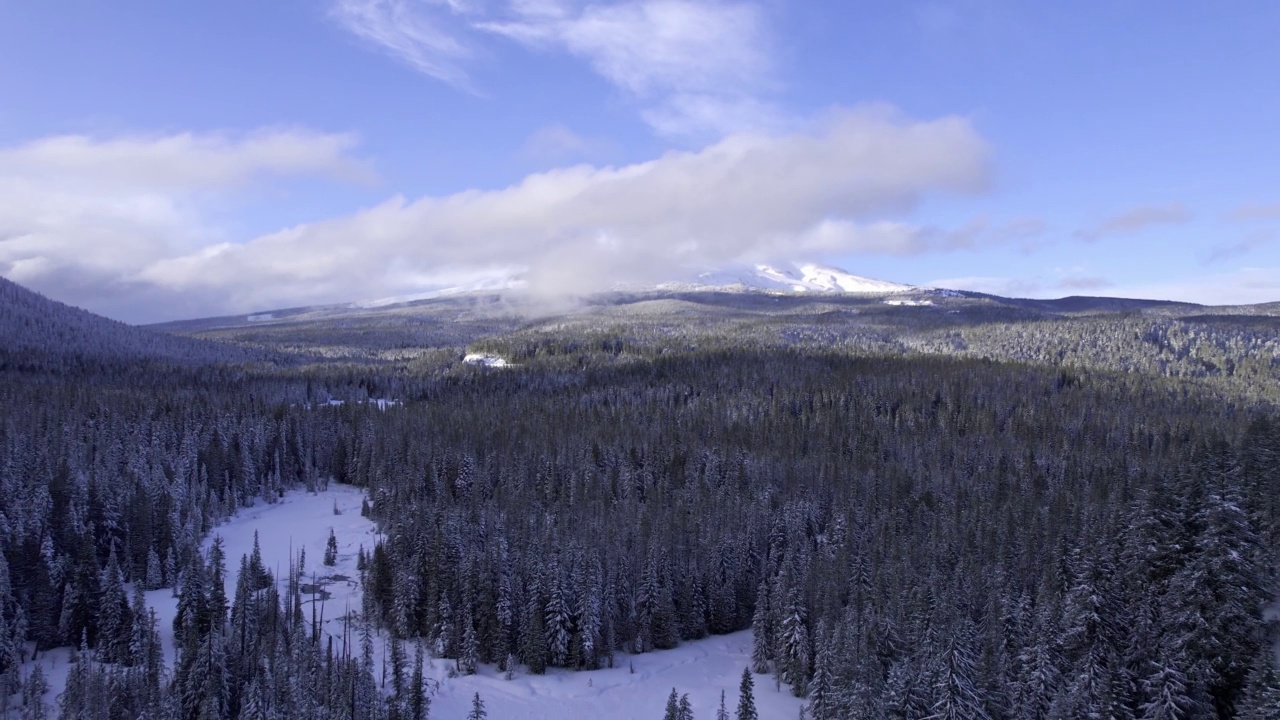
991, 285
82, 218
749, 197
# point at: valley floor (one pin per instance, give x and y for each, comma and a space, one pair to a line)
637, 687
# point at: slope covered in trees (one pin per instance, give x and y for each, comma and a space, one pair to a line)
903, 537
908, 535
37, 333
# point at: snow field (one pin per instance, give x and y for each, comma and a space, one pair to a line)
492, 361
635, 688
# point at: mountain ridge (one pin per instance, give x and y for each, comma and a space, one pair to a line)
38, 332
800, 277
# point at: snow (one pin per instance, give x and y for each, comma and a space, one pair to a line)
483, 360
700, 668
56, 665
300, 520
909, 303
793, 277
382, 403
801, 277
796, 277
637, 686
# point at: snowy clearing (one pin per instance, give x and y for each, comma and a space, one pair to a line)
637, 686
493, 361
701, 668
381, 403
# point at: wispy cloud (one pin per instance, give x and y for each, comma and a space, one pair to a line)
1022, 232
1137, 220
184, 161
1083, 282
655, 46
1247, 244
559, 142
576, 229
419, 33
697, 65
886, 237
1254, 213
695, 68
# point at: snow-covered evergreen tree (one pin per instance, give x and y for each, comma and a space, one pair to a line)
673, 706
33, 690
955, 695
822, 691
747, 698
331, 550
1166, 687
1261, 698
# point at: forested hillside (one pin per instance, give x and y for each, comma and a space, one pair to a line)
905, 537
908, 535
1236, 349
37, 333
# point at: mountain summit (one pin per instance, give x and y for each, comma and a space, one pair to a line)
801, 277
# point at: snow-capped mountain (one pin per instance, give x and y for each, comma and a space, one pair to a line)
799, 278
796, 278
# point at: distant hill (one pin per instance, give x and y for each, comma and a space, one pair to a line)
39, 333
1084, 304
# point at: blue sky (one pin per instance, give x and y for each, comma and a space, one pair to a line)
175, 160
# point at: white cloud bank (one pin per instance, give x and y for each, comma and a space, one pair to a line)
81, 218
141, 249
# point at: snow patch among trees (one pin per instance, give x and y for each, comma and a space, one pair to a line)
302, 523
485, 360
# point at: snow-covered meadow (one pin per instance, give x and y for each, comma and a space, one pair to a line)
636, 687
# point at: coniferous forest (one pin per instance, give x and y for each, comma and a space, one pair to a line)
915, 533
